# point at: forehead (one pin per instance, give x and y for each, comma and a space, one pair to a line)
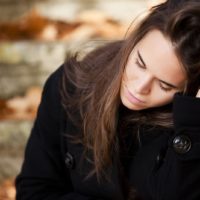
159, 56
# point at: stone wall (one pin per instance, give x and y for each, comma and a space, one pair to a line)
13, 137
24, 64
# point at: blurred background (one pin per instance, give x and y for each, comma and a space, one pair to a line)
35, 36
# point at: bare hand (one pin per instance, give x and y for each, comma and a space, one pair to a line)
198, 94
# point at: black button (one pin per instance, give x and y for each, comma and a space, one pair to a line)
69, 161
159, 161
160, 158
182, 144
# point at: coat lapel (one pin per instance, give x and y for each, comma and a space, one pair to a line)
110, 189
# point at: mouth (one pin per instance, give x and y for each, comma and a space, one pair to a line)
133, 98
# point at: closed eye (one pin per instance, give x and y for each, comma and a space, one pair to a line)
165, 87
169, 85
163, 84
140, 65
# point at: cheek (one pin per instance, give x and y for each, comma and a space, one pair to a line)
131, 72
127, 72
163, 98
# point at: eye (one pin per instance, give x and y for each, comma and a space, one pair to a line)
137, 62
165, 88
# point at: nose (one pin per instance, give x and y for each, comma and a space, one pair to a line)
143, 85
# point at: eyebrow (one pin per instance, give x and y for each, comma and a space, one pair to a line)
166, 83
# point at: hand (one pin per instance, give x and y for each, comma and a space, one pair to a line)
198, 94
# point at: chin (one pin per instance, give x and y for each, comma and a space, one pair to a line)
130, 106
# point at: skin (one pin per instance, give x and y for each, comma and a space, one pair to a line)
153, 73
198, 94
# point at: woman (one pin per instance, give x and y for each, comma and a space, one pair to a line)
124, 121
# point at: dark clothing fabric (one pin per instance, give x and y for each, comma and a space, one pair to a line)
163, 165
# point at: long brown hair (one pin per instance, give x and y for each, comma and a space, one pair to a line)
91, 86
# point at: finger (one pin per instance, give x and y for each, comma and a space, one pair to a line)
198, 93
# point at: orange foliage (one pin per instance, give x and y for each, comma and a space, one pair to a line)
7, 190
19, 108
88, 24
33, 26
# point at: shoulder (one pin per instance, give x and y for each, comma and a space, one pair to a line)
52, 85
50, 106
53, 81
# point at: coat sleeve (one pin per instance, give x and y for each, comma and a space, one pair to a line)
184, 151
43, 175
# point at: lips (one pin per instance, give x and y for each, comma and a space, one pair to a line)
133, 98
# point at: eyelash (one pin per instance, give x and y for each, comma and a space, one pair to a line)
143, 67
165, 89
139, 65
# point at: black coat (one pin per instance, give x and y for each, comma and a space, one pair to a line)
166, 165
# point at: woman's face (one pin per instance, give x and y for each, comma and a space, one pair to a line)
153, 73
